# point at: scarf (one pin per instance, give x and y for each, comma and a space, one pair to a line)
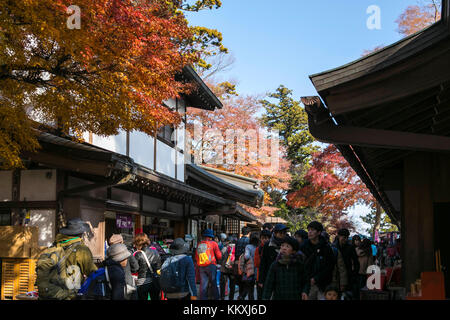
288, 259
276, 241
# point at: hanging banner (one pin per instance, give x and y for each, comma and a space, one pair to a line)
124, 221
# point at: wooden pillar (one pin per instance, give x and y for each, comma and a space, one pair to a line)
418, 217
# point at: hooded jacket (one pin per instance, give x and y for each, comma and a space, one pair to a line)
319, 262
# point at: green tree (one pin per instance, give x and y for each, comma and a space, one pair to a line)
291, 120
285, 114
385, 223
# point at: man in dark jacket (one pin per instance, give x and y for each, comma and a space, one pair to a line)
346, 271
185, 271
319, 261
270, 252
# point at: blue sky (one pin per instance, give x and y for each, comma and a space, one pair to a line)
284, 41
279, 42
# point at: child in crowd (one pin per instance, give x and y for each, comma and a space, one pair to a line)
331, 293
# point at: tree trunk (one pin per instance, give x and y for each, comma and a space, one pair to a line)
376, 225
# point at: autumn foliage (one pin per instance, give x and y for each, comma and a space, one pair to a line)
112, 73
239, 113
418, 17
332, 188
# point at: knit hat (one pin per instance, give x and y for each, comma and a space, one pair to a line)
179, 246
316, 225
292, 242
118, 252
115, 238
223, 236
75, 227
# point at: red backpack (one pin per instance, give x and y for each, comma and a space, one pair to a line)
205, 254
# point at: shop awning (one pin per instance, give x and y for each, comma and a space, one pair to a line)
225, 184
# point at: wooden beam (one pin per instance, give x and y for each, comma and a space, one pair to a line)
29, 204
375, 138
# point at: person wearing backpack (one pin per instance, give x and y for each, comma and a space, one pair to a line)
62, 268
226, 268
177, 278
207, 255
149, 262
247, 268
108, 282
240, 249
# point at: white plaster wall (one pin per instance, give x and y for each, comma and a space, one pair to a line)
45, 221
180, 166
171, 103
165, 159
36, 186
142, 149
117, 143
6, 185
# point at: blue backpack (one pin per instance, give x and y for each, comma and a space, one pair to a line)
170, 279
96, 286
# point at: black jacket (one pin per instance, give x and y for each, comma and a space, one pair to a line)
116, 279
319, 262
153, 258
269, 254
350, 259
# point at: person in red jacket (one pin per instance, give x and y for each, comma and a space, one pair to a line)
264, 237
207, 256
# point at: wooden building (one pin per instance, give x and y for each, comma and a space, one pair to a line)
126, 183
389, 115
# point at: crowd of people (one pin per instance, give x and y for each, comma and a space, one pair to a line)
271, 262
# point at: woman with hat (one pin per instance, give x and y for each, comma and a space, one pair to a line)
185, 271
115, 263
131, 267
286, 278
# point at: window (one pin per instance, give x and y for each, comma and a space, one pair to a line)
5, 217
166, 133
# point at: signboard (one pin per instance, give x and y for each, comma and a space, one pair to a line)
124, 221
